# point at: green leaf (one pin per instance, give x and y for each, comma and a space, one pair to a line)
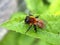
36, 6
48, 34
17, 16
14, 20
26, 40
43, 43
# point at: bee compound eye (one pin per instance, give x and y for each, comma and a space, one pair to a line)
27, 19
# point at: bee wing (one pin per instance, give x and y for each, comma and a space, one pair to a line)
40, 24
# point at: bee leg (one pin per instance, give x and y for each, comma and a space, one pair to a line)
35, 28
28, 28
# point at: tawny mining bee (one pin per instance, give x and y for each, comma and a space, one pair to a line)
31, 20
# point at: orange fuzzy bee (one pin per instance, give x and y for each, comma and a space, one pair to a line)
31, 20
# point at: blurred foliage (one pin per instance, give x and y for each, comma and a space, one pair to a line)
13, 38
49, 35
36, 6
